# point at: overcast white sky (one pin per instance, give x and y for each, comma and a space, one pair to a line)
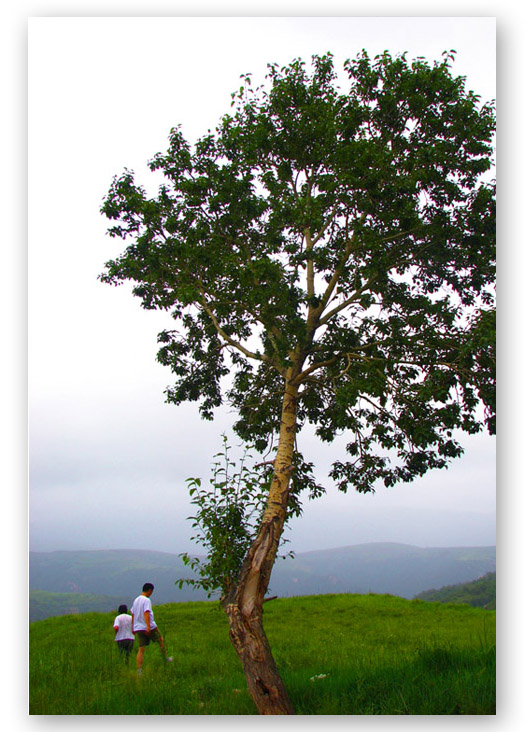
108, 459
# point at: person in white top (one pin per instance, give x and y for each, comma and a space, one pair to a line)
124, 637
144, 626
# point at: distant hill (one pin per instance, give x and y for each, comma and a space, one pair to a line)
396, 569
116, 574
48, 604
479, 593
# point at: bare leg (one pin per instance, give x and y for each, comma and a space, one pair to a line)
163, 649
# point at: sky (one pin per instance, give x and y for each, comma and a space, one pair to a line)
108, 459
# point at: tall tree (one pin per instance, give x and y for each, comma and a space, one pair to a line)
327, 256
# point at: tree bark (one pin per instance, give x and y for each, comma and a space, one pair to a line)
243, 605
262, 677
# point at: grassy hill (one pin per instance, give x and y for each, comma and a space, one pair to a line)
397, 569
479, 593
338, 655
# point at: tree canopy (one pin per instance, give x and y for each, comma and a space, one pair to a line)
345, 234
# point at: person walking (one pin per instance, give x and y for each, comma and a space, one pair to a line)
144, 625
124, 637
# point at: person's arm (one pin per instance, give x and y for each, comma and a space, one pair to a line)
132, 623
148, 620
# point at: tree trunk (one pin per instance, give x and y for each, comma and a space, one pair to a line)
243, 605
262, 677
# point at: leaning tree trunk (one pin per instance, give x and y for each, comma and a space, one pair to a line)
243, 605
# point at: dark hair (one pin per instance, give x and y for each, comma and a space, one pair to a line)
148, 586
123, 608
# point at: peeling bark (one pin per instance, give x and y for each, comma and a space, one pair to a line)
262, 677
243, 605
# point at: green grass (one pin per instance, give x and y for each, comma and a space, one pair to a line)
338, 655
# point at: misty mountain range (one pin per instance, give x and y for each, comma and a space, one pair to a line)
382, 568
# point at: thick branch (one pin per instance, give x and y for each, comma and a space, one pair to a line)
315, 366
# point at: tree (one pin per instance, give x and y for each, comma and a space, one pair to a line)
328, 257
226, 520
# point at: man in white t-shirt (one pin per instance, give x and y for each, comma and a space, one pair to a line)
124, 632
144, 626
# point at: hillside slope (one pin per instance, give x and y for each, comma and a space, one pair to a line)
338, 655
396, 569
50, 604
479, 593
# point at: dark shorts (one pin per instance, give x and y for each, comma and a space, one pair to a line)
144, 639
125, 646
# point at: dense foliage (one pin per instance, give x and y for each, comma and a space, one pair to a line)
479, 593
348, 235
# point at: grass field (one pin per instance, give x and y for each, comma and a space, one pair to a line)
338, 655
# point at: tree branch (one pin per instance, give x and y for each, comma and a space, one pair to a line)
235, 344
348, 301
316, 366
338, 271
327, 224
309, 264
